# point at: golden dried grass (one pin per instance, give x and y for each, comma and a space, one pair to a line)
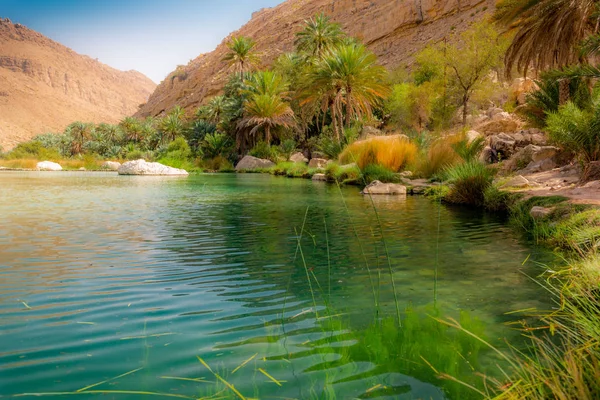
393, 152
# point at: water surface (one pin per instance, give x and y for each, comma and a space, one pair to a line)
101, 275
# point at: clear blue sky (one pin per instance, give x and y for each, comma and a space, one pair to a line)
151, 36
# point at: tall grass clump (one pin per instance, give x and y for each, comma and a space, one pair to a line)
393, 152
468, 183
437, 157
347, 174
376, 172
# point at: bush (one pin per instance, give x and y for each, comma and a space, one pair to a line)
265, 151
378, 172
33, 150
498, 200
287, 148
577, 130
392, 152
469, 150
216, 144
439, 156
468, 183
329, 146
348, 174
218, 163
197, 132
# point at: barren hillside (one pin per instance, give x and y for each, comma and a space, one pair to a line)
44, 86
393, 29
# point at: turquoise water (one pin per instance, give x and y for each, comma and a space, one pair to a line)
101, 275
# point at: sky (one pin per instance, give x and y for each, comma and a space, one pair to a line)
150, 36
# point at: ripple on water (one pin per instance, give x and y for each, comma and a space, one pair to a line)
100, 275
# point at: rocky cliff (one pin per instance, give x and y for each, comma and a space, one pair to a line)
393, 29
44, 86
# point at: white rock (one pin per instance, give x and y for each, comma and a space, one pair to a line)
377, 187
250, 162
48, 166
111, 165
298, 157
142, 167
319, 177
473, 135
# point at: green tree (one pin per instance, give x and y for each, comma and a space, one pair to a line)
241, 55
266, 111
133, 129
267, 82
172, 126
318, 36
348, 82
79, 132
468, 60
214, 110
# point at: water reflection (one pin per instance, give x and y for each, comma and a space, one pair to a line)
101, 274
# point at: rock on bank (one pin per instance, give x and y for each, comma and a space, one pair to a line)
142, 167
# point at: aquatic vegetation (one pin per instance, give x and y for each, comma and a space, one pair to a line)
346, 174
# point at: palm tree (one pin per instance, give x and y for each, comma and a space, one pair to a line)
349, 78
266, 111
266, 82
79, 132
549, 33
132, 128
213, 111
241, 55
171, 126
318, 36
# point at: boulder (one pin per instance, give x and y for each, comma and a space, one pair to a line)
532, 158
82, 169
488, 155
319, 177
142, 167
520, 88
540, 212
48, 166
492, 112
406, 174
473, 135
250, 162
592, 171
592, 185
317, 163
501, 122
377, 187
539, 166
516, 182
298, 157
111, 165
503, 144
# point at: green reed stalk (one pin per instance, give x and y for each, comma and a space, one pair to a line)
312, 293
362, 250
328, 261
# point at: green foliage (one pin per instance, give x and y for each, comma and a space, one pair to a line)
546, 99
265, 151
318, 36
218, 163
577, 130
346, 174
287, 148
498, 200
197, 132
468, 183
216, 144
33, 150
469, 150
241, 55
378, 172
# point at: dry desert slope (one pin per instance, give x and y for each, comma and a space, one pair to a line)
44, 86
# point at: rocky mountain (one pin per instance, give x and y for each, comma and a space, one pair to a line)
392, 29
44, 86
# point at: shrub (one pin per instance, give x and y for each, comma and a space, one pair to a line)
392, 152
216, 144
469, 150
197, 132
468, 183
330, 147
33, 150
577, 130
265, 151
218, 163
498, 200
378, 172
439, 156
349, 174
282, 168
287, 148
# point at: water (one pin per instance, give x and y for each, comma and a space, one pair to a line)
101, 275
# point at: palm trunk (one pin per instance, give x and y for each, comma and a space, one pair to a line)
563, 91
348, 108
268, 134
